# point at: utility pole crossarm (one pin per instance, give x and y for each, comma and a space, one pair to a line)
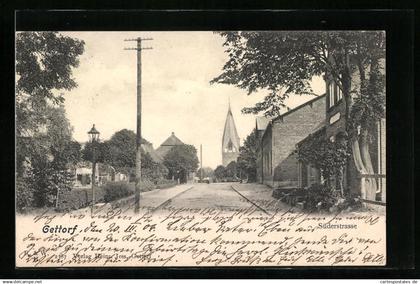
133, 48
139, 38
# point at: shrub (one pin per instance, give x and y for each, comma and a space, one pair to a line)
72, 200
99, 195
116, 190
79, 198
320, 198
147, 185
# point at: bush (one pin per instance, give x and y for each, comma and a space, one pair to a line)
24, 196
320, 198
79, 198
147, 185
99, 194
116, 190
72, 200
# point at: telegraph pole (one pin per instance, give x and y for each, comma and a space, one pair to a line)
201, 162
139, 48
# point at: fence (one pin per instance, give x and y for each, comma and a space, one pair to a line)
373, 188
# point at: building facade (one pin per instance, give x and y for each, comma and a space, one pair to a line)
82, 174
277, 163
369, 184
261, 124
230, 140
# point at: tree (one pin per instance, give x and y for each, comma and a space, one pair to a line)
285, 63
96, 151
247, 160
181, 160
44, 65
49, 158
120, 152
152, 170
63, 149
122, 149
232, 169
220, 172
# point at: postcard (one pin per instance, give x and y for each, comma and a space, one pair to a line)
200, 148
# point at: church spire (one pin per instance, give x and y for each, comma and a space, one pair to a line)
230, 140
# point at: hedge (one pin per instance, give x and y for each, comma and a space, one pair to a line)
79, 198
117, 190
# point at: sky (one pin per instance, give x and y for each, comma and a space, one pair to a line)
176, 93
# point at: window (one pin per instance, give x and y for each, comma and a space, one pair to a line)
334, 94
331, 94
230, 147
339, 94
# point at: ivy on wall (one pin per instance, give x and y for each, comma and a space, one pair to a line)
318, 151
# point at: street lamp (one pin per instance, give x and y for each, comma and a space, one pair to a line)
93, 138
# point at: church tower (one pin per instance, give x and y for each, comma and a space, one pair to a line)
230, 140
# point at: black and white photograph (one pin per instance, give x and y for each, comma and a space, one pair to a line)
200, 148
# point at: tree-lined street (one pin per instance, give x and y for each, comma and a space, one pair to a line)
51, 163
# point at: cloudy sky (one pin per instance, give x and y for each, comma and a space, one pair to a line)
176, 94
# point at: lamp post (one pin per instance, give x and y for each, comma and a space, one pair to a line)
93, 138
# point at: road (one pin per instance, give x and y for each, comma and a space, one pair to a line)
214, 195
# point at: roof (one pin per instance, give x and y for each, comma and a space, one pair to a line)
262, 122
167, 145
148, 148
172, 141
293, 110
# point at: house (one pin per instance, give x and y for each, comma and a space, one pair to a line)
167, 145
261, 123
82, 173
370, 187
277, 164
148, 148
309, 174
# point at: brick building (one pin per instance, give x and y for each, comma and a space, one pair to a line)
355, 177
277, 165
